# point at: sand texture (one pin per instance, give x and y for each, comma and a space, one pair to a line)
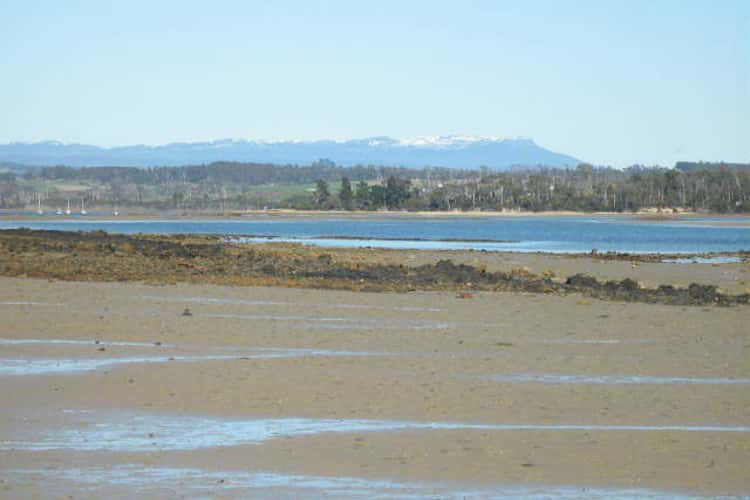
126, 389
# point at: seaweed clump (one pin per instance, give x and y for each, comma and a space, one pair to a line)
99, 256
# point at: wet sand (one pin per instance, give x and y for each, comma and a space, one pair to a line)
109, 390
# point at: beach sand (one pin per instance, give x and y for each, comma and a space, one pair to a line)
668, 383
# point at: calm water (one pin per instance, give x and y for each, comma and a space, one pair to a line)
523, 234
93, 430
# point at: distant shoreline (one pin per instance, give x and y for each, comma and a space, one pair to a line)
683, 217
139, 212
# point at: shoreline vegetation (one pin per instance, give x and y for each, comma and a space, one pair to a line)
99, 256
230, 187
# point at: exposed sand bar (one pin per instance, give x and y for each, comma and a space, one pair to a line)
424, 416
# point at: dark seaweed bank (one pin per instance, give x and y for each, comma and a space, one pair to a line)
99, 256
741, 255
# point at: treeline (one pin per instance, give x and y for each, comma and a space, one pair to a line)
221, 185
688, 166
603, 189
583, 189
323, 185
235, 173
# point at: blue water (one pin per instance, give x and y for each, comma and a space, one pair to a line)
522, 234
133, 433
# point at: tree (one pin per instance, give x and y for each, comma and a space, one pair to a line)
362, 195
322, 194
345, 194
377, 196
396, 192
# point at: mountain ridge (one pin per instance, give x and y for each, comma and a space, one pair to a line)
451, 151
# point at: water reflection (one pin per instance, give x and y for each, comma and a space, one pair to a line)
100, 431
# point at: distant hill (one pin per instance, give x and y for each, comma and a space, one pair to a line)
444, 151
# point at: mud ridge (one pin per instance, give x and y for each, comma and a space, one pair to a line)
99, 256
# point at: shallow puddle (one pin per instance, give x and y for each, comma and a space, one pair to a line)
719, 259
343, 323
154, 481
547, 378
57, 366
214, 300
61, 366
101, 431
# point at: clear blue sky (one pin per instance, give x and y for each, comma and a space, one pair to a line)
611, 82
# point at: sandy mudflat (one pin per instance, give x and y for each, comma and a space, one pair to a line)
276, 392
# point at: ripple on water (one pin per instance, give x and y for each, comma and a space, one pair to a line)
719, 259
18, 367
99, 431
223, 301
241, 484
340, 323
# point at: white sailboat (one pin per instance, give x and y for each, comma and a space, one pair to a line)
83, 208
59, 211
67, 210
39, 210
116, 212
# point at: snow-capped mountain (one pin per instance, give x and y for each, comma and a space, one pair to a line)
438, 151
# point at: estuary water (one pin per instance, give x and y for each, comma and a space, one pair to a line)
509, 234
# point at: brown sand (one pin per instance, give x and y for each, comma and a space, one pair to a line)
435, 366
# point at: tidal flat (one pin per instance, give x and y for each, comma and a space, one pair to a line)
183, 366
366, 411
